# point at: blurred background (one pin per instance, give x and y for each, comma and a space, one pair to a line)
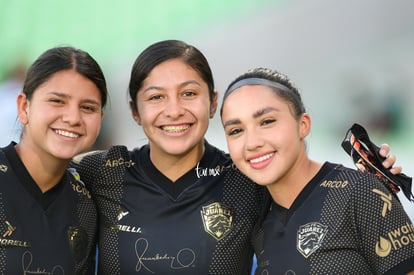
352, 60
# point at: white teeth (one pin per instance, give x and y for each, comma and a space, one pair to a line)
262, 158
66, 134
175, 129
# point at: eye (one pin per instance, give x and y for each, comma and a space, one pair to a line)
234, 131
90, 108
56, 101
155, 97
189, 93
267, 121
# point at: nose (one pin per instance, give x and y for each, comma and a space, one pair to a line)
174, 108
72, 115
253, 140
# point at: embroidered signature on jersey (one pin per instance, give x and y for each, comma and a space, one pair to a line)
217, 219
310, 237
184, 258
27, 260
211, 171
395, 239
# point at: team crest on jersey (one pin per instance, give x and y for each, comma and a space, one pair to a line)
310, 237
217, 219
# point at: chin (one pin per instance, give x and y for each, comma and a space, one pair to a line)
258, 178
261, 182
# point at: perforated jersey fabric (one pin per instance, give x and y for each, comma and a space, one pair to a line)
343, 222
204, 229
50, 233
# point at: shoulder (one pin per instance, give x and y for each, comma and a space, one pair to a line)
366, 188
77, 184
98, 156
353, 182
354, 176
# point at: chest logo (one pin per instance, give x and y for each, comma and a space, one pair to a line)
217, 219
310, 237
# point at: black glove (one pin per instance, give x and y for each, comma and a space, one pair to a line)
366, 157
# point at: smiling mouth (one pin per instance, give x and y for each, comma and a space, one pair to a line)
261, 158
175, 129
67, 134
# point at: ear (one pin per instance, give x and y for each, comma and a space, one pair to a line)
134, 112
23, 106
304, 125
214, 104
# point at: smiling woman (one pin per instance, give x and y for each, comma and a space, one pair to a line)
324, 218
48, 218
195, 212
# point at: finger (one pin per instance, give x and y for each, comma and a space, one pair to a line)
396, 170
384, 150
389, 161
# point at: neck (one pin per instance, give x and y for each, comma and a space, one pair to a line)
46, 171
175, 166
285, 191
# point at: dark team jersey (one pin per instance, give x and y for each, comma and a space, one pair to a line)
44, 233
205, 228
343, 222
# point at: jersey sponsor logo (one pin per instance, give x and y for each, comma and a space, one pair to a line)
310, 237
334, 183
387, 199
119, 162
121, 213
395, 239
125, 228
11, 242
80, 185
81, 189
3, 168
217, 219
10, 229
128, 228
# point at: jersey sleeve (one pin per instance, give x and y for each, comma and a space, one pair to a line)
87, 166
385, 230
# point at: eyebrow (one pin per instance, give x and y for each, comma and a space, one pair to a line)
264, 111
87, 100
256, 114
182, 85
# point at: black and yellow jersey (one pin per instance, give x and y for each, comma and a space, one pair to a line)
343, 222
44, 233
200, 224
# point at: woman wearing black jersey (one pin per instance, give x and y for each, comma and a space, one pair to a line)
324, 218
47, 217
176, 205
